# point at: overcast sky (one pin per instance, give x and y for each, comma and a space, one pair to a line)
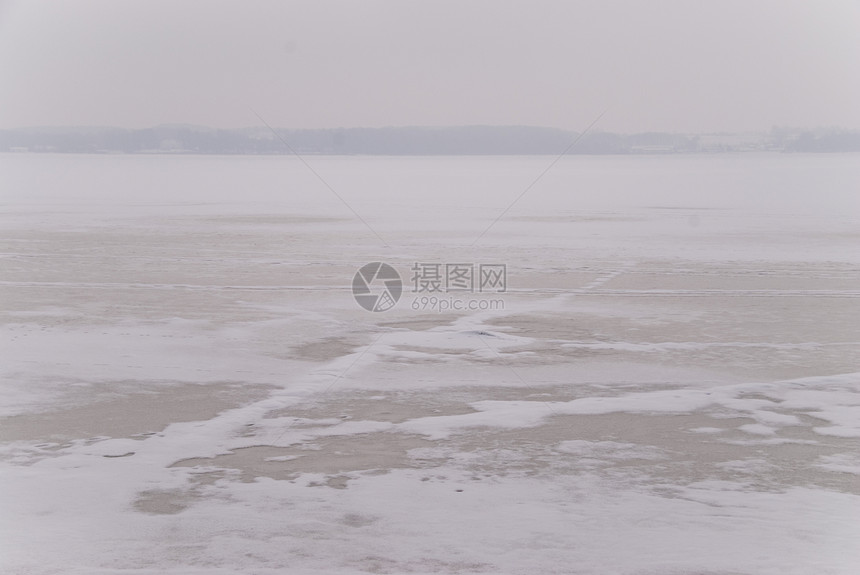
657, 65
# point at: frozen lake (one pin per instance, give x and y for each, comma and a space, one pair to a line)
666, 380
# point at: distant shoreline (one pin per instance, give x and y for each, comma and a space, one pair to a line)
411, 141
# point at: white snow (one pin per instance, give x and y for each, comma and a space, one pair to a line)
655, 397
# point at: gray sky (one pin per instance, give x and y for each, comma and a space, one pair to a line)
658, 65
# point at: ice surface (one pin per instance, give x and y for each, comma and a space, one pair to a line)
188, 386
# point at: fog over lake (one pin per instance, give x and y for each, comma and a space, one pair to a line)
497, 287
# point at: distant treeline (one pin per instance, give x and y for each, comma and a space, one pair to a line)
489, 140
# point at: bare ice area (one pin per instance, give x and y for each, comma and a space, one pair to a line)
668, 384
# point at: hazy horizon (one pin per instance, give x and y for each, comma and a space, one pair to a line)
496, 287
260, 126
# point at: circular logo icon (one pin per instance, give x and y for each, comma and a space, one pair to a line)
377, 286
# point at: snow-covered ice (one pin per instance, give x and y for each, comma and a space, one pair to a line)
672, 384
